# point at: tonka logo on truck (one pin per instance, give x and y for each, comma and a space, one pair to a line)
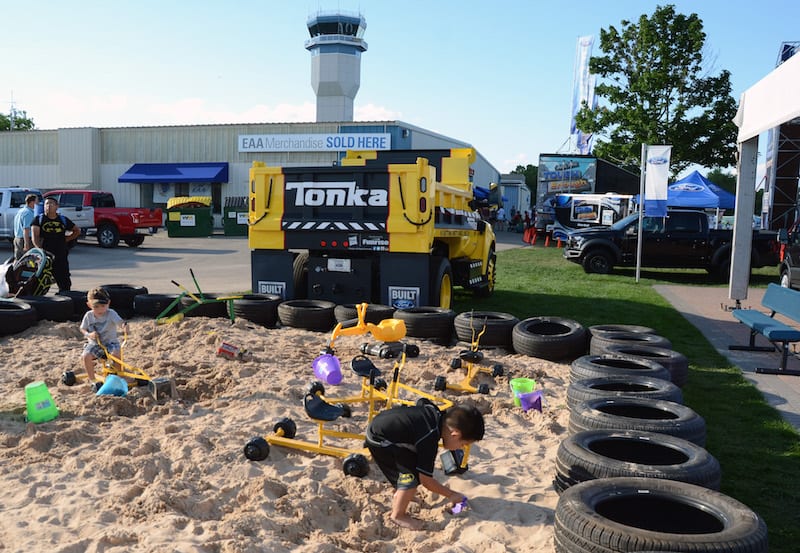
336, 194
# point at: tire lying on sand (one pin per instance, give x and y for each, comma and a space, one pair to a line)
258, 308
622, 385
648, 514
609, 453
607, 364
551, 338
51, 308
428, 322
600, 329
676, 363
375, 312
79, 306
212, 309
16, 316
498, 327
316, 315
153, 305
631, 413
122, 296
602, 341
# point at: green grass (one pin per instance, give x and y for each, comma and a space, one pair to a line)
758, 451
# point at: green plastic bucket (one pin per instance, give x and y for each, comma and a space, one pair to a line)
39, 403
521, 386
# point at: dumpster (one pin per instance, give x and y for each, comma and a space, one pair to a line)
234, 216
189, 216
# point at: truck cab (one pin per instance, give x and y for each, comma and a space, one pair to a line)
11, 199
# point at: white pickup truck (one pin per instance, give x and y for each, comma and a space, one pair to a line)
11, 199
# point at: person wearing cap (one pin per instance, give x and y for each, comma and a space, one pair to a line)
51, 232
22, 226
99, 326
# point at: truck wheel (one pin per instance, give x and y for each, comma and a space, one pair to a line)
785, 280
441, 284
107, 236
598, 261
135, 242
490, 277
300, 276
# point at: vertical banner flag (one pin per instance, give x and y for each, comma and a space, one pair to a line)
656, 178
582, 89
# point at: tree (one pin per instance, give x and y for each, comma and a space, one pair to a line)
653, 90
726, 181
531, 173
21, 121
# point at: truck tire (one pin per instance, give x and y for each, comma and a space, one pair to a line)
610, 453
786, 280
598, 261
300, 276
15, 316
617, 385
51, 308
134, 241
258, 308
499, 327
489, 276
107, 235
609, 364
433, 323
551, 338
316, 315
601, 342
675, 362
631, 413
441, 283
649, 514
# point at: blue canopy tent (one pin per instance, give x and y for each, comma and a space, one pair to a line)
697, 191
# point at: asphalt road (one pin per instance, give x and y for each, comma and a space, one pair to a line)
221, 264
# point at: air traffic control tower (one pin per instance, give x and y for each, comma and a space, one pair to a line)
336, 44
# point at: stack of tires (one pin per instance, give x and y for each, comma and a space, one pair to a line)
633, 475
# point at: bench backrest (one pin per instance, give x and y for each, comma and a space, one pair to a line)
782, 300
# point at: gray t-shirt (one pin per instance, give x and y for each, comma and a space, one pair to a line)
106, 326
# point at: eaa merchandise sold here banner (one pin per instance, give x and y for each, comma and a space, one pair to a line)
656, 177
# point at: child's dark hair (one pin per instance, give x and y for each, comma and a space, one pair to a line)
467, 420
99, 295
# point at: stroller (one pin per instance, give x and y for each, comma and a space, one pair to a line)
30, 275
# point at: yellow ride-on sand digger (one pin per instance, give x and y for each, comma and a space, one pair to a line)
199, 299
469, 359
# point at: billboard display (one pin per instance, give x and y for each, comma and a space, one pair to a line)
561, 174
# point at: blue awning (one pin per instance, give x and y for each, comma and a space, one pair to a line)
176, 172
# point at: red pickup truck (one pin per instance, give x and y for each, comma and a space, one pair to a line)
96, 213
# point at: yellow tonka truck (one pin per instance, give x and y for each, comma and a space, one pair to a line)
399, 228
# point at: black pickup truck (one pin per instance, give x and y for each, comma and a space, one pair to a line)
681, 240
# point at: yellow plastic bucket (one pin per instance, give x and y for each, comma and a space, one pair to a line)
521, 386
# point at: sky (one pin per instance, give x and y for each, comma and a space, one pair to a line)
498, 75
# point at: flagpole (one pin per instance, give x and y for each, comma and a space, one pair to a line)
641, 211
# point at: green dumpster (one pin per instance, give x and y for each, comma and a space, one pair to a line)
189, 216
234, 216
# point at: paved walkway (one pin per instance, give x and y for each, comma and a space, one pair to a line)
709, 310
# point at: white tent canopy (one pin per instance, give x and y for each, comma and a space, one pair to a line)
770, 102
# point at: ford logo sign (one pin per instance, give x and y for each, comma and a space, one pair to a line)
403, 304
657, 161
688, 187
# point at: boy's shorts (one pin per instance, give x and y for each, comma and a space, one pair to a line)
397, 464
98, 352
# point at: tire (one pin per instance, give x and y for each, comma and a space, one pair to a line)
213, 309
107, 236
51, 308
375, 312
499, 327
676, 363
316, 315
600, 329
300, 275
600, 342
15, 316
490, 277
432, 323
630, 413
622, 385
600, 262
153, 305
608, 364
551, 338
135, 241
441, 283
647, 514
258, 308
611, 453
785, 279
79, 306
122, 296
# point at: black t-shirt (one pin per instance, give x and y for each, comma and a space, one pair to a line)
53, 232
417, 429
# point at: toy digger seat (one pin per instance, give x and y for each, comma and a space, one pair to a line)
319, 409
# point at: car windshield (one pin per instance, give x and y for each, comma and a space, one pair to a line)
622, 223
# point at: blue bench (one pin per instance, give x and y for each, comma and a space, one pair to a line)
778, 300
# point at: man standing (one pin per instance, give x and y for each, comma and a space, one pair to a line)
50, 234
22, 226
